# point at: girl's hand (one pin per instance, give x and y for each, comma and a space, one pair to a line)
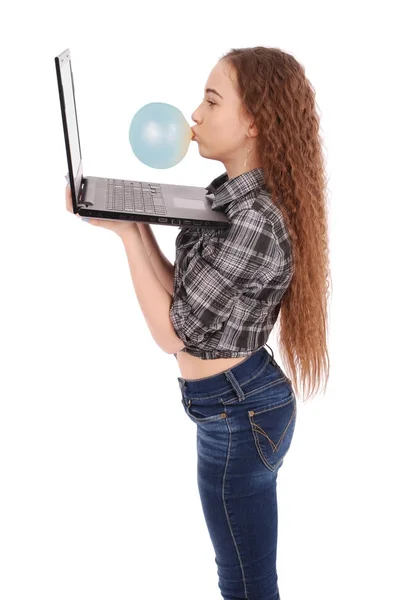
119, 227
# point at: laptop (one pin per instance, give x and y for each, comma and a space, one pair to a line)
125, 199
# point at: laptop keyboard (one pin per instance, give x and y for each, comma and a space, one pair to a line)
134, 196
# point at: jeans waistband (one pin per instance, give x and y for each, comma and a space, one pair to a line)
213, 386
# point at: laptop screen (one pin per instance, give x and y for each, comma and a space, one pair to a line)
70, 121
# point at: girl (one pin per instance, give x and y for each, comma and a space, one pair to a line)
215, 308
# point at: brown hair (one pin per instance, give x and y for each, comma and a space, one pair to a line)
281, 102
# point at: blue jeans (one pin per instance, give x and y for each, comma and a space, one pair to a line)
245, 419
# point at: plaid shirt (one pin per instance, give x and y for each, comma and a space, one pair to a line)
228, 283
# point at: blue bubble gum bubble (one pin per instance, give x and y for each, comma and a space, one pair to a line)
159, 135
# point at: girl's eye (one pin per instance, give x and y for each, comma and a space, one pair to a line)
210, 103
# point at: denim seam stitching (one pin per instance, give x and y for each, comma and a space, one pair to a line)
227, 516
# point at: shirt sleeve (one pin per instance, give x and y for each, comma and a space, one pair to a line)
218, 273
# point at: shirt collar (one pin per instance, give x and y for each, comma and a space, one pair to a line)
223, 190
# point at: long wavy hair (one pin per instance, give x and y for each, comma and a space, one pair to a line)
281, 102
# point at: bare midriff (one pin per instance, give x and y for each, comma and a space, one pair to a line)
193, 367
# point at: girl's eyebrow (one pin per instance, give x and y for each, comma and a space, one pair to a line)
213, 92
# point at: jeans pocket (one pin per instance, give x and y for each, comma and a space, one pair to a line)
273, 430
203, 413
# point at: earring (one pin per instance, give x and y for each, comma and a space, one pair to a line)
246, 160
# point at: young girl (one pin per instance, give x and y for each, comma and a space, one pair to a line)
215, 308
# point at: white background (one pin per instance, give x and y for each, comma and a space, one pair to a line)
97, 458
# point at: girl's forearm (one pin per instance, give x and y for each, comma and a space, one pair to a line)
154, 300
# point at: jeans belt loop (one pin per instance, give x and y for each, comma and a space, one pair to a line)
237, 388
